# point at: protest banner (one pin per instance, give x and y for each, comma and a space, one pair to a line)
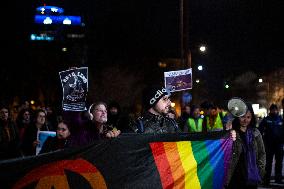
141, 161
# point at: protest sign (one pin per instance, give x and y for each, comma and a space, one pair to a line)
42, 136
75, 87
178, 80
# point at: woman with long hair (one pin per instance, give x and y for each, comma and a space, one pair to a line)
248, 159
61, 140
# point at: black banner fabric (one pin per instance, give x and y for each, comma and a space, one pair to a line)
123, 162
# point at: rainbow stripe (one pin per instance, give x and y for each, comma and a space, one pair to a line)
192, 164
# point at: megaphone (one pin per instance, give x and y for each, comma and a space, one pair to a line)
237, 107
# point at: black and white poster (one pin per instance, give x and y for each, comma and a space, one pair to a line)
75, 87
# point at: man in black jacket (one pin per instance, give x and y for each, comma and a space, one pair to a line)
272, 129
157, 105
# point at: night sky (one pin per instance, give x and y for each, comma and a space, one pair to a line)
240, 35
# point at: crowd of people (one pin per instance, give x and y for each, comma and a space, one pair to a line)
254, 147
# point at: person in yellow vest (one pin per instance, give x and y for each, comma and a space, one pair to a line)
214, 121
194, 122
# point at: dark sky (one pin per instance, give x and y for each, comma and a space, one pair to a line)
237, 33
240, 35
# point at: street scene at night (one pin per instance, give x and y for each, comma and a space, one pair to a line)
144, 94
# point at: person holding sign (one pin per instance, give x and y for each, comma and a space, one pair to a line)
60, 141
31, 137
75, 87
95, 128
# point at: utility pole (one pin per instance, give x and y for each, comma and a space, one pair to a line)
181, 23
185, 55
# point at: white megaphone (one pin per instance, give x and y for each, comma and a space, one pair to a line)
237, 107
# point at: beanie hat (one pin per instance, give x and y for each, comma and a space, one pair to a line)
273, 107
153, 94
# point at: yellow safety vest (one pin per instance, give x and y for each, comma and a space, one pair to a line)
192, 127
218, 125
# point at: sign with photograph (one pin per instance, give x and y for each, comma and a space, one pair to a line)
178, 80
75, 87
42, 136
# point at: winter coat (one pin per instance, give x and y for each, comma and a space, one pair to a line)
258, 146
156, 124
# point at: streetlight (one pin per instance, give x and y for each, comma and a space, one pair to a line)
202, 48
200, 67
226, 85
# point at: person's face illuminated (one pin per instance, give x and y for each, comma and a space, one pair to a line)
163, 105
41, 118
26, 116
4, 114
62, 131
246, 119
100, 113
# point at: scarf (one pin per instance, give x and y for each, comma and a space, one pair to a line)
253, 177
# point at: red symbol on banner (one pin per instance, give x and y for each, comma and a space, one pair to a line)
54, 175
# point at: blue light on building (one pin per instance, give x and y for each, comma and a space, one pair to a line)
61, 19
41, 37
49, 10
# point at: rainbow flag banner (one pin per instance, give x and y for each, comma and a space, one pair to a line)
130, 161
192, 164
